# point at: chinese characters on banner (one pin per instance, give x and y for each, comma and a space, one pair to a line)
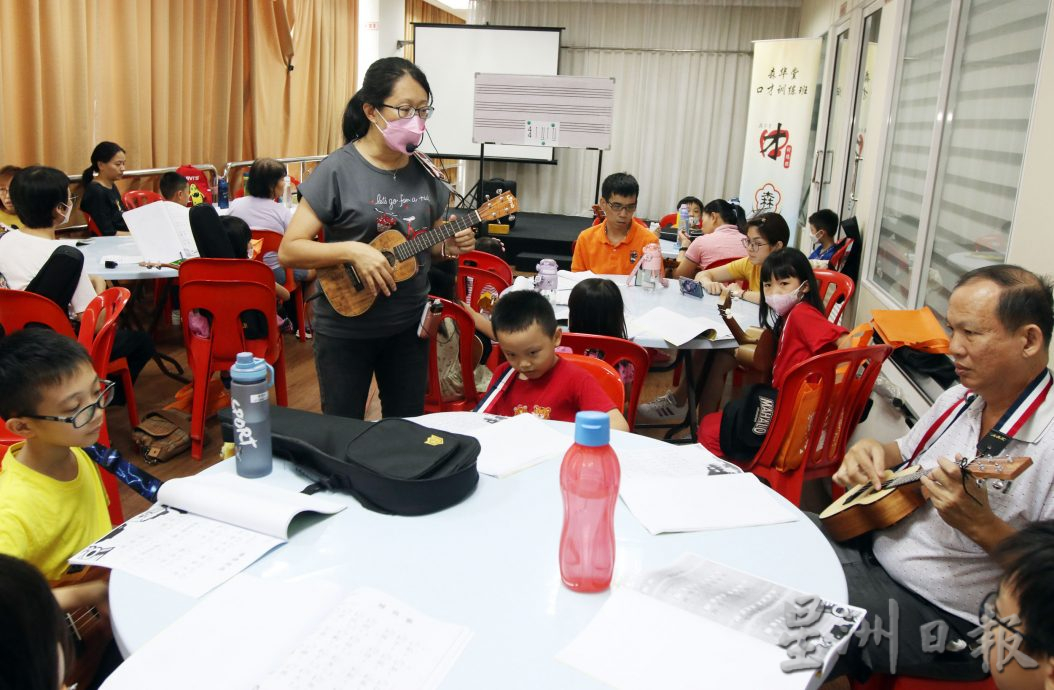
783, 85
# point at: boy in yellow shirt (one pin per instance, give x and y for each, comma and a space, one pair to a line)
52, 502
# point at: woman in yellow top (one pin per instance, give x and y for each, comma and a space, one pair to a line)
766, 233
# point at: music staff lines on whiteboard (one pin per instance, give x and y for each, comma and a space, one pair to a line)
578, 93
546, 108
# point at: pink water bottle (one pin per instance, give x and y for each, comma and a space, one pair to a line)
589, 478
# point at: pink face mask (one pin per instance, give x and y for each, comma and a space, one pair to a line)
403, 135
782, 304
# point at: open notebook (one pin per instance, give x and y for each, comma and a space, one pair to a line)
204, 530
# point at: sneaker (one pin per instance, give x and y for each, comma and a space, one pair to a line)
662, 410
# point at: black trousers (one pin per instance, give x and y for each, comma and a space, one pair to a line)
871, 587
137, 348
345, 367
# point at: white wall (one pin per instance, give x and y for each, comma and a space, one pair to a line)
381, 24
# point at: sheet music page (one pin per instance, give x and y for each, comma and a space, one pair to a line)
687, 491
182, 551
675, 328
517, 443
697, 623
456, 422
243, 502
371, 641
161, 231
233, 636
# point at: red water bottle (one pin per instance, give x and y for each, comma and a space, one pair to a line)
589, 479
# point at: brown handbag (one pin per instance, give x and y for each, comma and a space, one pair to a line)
162, 435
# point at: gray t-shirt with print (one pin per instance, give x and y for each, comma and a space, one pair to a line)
356, 201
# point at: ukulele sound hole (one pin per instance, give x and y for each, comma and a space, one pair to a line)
392, 260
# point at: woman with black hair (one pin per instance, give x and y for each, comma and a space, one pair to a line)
791, 306
34, 650
722, 224
102, 199
368, 186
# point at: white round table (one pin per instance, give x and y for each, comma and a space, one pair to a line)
96, 248
489, 563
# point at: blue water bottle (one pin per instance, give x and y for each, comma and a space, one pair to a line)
251, 379
222, 193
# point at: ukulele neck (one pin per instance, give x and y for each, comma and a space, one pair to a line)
430, 238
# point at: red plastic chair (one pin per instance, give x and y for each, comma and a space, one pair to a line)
19, 309
614, 350
883, 682
836, 289
669, 220
817, 410
488, 262
92, 227
269, 243
481, 282
225, 288
140, 197
604, 374
466, 334
100, 344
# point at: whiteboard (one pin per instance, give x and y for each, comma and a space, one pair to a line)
450, 55
532, 110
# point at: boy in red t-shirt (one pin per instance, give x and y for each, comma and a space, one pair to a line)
535, 379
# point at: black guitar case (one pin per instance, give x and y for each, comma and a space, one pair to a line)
391, 466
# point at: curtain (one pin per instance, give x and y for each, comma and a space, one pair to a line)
681, 69
172, 81
298, 112
423, 12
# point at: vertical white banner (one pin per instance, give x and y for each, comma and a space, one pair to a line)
775, 157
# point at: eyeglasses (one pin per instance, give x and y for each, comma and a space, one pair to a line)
988, 612
754, 244
408, 111
618, 209
85, 414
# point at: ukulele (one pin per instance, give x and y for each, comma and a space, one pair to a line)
757, 346
89, 630
862, 509
349, 296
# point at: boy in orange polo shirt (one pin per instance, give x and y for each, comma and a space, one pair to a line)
616, 244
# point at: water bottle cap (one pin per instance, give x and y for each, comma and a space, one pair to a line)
249, 369
592, 429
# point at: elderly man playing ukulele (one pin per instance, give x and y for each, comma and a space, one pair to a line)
923, 578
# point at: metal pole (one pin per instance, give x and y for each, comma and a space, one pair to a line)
600, 162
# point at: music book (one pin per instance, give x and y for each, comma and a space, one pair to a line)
688, 489
264, 634
701, 624
202, 531
161, 231
675, 328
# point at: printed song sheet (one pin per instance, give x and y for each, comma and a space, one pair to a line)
517, 443
688, 489
204, 530
675, 328
371, 641
179, 550
297, 634
698, 623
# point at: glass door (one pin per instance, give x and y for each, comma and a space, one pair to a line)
840, 148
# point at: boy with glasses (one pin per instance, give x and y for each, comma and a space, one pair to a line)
1018, 618
52, 502
617, 243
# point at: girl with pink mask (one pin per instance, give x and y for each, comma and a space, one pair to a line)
371, 185
791, 306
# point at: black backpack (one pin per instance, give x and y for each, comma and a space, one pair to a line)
391, 466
